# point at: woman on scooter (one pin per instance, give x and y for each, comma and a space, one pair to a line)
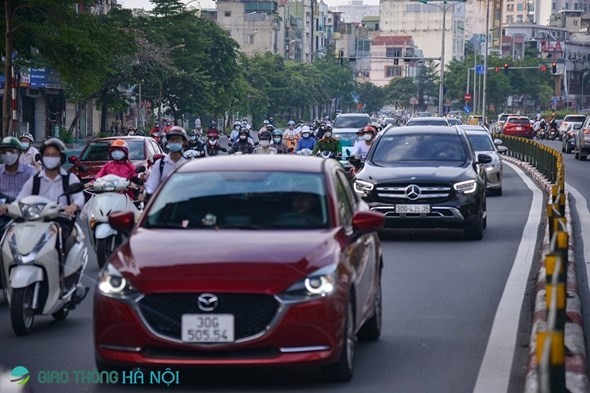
120, 165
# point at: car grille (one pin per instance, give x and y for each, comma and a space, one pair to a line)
252, 312
401, 192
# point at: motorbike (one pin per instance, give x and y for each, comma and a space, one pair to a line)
553, 134
108, 195
213, 147
41, 271
304, 152
329, 154
290, 142
541, 134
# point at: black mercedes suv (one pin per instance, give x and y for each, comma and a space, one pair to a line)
426, 177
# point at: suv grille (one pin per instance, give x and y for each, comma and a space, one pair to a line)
411, 192
252, 312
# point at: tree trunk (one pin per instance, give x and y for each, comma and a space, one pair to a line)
7, 99
81, 105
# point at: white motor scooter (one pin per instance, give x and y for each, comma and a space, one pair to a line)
108, 195
41, 275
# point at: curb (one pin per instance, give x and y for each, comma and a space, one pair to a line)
575, 349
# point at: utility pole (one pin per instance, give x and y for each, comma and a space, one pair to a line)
485, 66
7, 99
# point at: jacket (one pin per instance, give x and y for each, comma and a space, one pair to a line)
306, 143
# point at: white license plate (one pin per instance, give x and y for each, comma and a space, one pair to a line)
412, 208
518, 128
208, 328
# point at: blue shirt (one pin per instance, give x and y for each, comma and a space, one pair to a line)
12, 183
306, 143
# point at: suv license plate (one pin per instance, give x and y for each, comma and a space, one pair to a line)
208, 328
412, 208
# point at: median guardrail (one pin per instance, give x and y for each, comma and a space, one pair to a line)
550, 339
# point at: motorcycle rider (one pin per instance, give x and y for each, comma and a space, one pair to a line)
277, 142
319, 131
177, 139
361, 148
212, 146
263, 128
235, 132
195, 144
327, 143
243, 145
212, 130
264, 146
29, 152
119, 165
14, 173
306, 141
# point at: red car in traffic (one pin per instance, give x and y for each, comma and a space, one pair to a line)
244, 260
518, 126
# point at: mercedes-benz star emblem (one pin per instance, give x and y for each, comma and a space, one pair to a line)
207, 302
413, 192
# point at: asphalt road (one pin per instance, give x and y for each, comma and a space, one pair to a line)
440, 298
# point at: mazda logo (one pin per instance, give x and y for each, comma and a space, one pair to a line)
413, 192
207, 302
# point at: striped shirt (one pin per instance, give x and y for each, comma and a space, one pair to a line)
12, 183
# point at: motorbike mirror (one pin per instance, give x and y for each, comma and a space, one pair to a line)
502, 149
157, 157
122, 221
38, 157
71, 159
74, 188
348, 152
140, 169
498, 142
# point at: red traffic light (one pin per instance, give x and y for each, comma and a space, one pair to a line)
543, 67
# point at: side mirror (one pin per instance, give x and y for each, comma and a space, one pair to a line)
502, 149
74, 188
367, 221
140, 169
483, 159
122, 221
348, 152
71, 159
156, 158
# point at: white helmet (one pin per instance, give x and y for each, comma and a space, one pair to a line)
305, 129
266, 122
28, 136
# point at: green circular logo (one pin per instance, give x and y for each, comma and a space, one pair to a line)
20, 375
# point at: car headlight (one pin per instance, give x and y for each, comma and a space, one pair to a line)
466, 187
31, 212
111, 283
363, 187
492, 165
318, 284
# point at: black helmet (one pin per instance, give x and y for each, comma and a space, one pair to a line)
177, 130
244, 130
265, 135
277, 133
58, 144
213, 124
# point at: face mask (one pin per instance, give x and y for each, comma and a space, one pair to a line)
193, 138
9, 159
327, 134
174, 147
306, 135
25, 145
243, 137
117, 155
277, 140
367, 137
264, 143
51, 162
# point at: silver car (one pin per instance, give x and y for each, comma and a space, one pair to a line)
482, 143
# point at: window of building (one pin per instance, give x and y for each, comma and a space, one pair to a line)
509, 7
575, 6
519, 19
249, 39
519, 7
567, 6
393, 52
509, 19
227, 14
391, 71
553, 6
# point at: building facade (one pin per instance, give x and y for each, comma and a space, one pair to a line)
356, 10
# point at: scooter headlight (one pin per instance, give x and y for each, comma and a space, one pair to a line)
108, 185
31, 212
111, 283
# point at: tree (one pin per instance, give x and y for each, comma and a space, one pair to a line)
399, 91
371, 96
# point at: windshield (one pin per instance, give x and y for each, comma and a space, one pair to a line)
427, 122
577, 119
520, 121
99, 151
481, 142
393, 149
346, 138
241, 200
453, 122
351, 121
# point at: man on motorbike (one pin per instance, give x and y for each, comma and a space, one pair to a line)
29, 152
212, 146
263, 128
195, 144
306, 141
361, 148
264, 146
327, 143
212, 130
177, 139
243, 145
14, 173
277, 142
319, 131
235, 132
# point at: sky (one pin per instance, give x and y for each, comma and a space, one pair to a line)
146, 4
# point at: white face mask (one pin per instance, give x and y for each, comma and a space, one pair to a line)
306, 135
243, 137
193, 138
367, 137
327, 134
264, 143
51, 162
9, 158
277, 140
25, 145
117, 155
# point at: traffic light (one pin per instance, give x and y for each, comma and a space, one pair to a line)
543, 68
506, 68
554, 68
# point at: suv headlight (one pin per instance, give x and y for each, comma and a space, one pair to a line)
466, 187
363, 187
318, 284
31, 212
111, 283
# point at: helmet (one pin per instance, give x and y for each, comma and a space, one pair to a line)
10, 142
58, 144
213, 124
119, 144
244, 130
265, 122
328, 127
265, 135
270, 127
277, 133
237, 123
370, 129
28, 136
291, 123
177, 130
168, 120
305, 129
192, 133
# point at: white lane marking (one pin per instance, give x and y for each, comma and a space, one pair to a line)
494, 373
584, 215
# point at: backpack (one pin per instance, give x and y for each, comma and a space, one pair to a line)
65, 181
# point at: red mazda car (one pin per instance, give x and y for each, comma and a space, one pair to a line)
244, 260
518, 126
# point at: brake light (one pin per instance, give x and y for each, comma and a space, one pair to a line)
586, 131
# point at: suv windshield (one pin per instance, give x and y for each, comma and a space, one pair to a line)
576, 119
480, 142
241, 200
351, 121
99, 151
427, 122
393, 149
520, 121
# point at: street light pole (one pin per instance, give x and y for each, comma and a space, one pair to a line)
441, 86
485, 66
